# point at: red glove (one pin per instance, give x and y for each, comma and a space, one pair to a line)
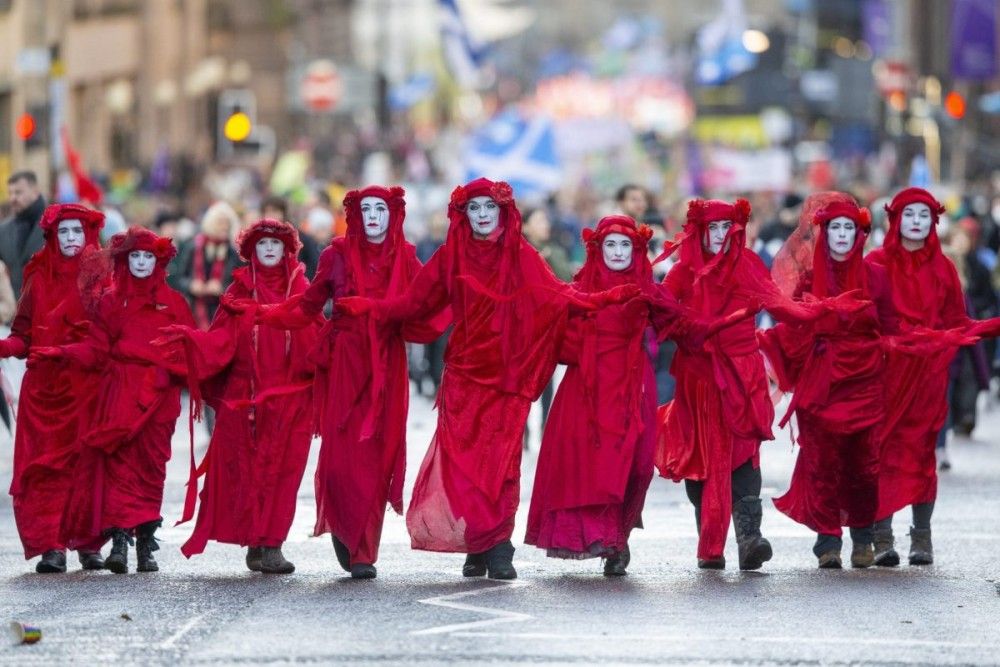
43, 354
7, 348
355, 306
616, 295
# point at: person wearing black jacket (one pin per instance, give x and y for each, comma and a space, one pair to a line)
20, 235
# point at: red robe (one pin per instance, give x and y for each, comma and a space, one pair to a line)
362, 461
124, 453
263, 402
927, 295
55, 400
836, 367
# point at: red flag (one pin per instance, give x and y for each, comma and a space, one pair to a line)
86, 189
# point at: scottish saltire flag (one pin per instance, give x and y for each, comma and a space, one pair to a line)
721, 54
516, 149
463, 55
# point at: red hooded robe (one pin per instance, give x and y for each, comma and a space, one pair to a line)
927, 294
836, 366
261, 389
56, 398
124, 453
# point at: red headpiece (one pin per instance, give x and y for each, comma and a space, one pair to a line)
139, 238
594, 275
284, 232
50, 257
894, 209
394, 198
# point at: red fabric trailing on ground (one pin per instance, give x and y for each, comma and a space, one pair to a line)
124, 453
596, 460
927, 294
836, 367
258, 378
721, 409
55, 398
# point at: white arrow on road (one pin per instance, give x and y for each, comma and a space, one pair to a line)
449, 602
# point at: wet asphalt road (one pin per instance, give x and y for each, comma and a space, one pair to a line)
420, 610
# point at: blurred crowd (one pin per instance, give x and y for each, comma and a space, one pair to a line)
205, 238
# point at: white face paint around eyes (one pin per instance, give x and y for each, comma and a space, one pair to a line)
375, 216
69, 233
840, 235
617, 251
270, 251
141, 263
915, 222
484, 215
715, 235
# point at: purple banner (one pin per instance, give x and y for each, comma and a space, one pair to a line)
974, 39
876, 21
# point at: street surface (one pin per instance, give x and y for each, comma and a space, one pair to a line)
211, 610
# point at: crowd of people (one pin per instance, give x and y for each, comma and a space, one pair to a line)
287, 330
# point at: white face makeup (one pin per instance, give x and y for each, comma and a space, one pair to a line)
840, 234
69, 233
270, 251
915, 222
141, 263
617, 250
715, 235
375, 215
484, 215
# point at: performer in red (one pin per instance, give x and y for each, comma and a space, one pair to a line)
927, 294
596, 460
362, 386
118, 487
55, 399
711, 432
836, 366
261, 390
510, 312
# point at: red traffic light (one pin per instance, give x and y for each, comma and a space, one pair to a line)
25, 126
954, 105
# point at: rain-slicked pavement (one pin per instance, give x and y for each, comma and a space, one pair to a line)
420, 609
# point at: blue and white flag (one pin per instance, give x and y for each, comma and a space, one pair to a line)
721, 54
519, 150
463, 55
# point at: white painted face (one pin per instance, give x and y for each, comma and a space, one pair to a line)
715, 235
141, 263
916, 221
840, 234
270, 251
617, 249
375, 214
484, 215
69, 233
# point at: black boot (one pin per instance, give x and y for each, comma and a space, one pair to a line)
117, 560
614, 566
363, 571
145, 545
475, 565
274, 562
754, 550
90, 560
53, 562
343, 554
921, 549
254, 556
884, 548
499, 561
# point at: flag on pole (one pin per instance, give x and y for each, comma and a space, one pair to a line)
463, 54
516, 149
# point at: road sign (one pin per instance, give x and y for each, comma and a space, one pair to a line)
321, 87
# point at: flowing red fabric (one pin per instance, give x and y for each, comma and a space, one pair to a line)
510, 312
55, 398
836, 367
927, 294
362, 384
721, 409
596, 460
124, 452
259, 381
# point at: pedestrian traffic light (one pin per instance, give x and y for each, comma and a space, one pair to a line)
954, 105
237, 127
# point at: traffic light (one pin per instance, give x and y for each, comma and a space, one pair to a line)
954, 105
236, 114
30, 127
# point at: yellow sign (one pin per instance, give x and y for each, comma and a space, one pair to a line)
741, 131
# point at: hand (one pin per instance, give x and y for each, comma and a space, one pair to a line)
6, 348
196, 287
619, 294
170, 335
42, 354
213, 287
355, 306
244, 304
850, 302
984, 328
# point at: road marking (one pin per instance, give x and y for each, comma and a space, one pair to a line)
717, 638
449, 602
184, 629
